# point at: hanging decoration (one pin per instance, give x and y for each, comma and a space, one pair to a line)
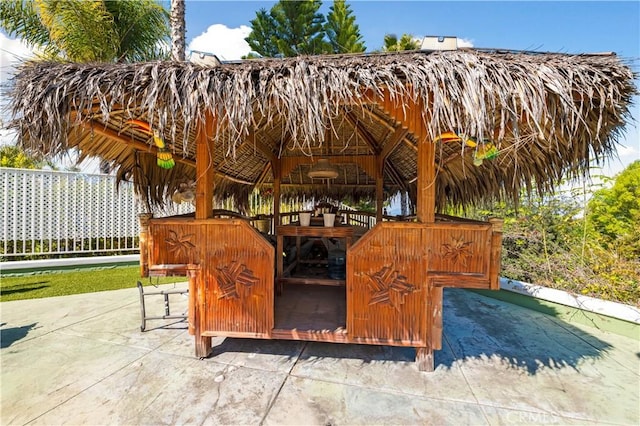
323, 170
485, 150
164, 156
185, 193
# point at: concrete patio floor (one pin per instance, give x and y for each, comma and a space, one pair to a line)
83, 360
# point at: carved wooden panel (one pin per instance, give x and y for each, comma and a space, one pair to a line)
387, 292
172, 242
459, 248
389, 287
240, 278
236, 285
235, 280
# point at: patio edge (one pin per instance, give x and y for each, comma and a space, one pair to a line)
610, 316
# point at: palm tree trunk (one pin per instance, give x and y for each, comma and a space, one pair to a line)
404, 204
178, 32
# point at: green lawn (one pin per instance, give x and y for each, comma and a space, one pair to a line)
73, 282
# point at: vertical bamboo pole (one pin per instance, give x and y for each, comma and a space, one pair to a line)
379, 187
205, 173
205, 170
409, 114
426, 197
144, 243
193, 274
496, 244
277, 174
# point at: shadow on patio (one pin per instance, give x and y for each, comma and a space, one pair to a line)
475, 327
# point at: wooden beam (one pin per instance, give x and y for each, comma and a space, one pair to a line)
100, 129
205, 170
264, 173
409, 113
394, 140
341, 185
395, 175
379, 119
366, 162
363, 133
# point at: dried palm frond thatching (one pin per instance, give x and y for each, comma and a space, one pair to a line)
549, 115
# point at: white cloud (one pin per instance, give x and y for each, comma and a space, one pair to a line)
224, 42
627, 151
12, 52
463, 42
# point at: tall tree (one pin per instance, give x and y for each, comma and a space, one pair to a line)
89, 30
406, 42
263, 36
178, 31
291, 28
342, 31
614, 213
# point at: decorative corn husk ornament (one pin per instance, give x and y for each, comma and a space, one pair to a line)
483, 151
165, 158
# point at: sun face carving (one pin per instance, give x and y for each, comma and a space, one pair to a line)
235, 280
180, 246
458, 250
389, 287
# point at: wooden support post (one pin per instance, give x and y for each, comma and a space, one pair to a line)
280, 263
203, 343
192, 274
196, 309
277, 170
144, 243
436, 317
425, 359
496, 245
379, 187
426, 196
205, 170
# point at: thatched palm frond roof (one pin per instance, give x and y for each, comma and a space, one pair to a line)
549, 115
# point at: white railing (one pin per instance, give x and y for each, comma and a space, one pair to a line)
56, 213
49, 213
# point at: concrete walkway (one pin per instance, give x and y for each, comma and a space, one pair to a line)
83, 360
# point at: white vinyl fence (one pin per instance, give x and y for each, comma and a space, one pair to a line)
46, 213
49, 214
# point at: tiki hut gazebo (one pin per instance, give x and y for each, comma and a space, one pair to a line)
446, 127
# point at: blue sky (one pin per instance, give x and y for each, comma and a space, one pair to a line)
571, 27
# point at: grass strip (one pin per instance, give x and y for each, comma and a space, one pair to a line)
52, 284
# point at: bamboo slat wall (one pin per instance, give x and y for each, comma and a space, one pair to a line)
396, 271
458, 248
387, 289
395, 275
235, 286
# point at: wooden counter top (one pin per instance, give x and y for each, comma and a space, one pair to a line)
314, 231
